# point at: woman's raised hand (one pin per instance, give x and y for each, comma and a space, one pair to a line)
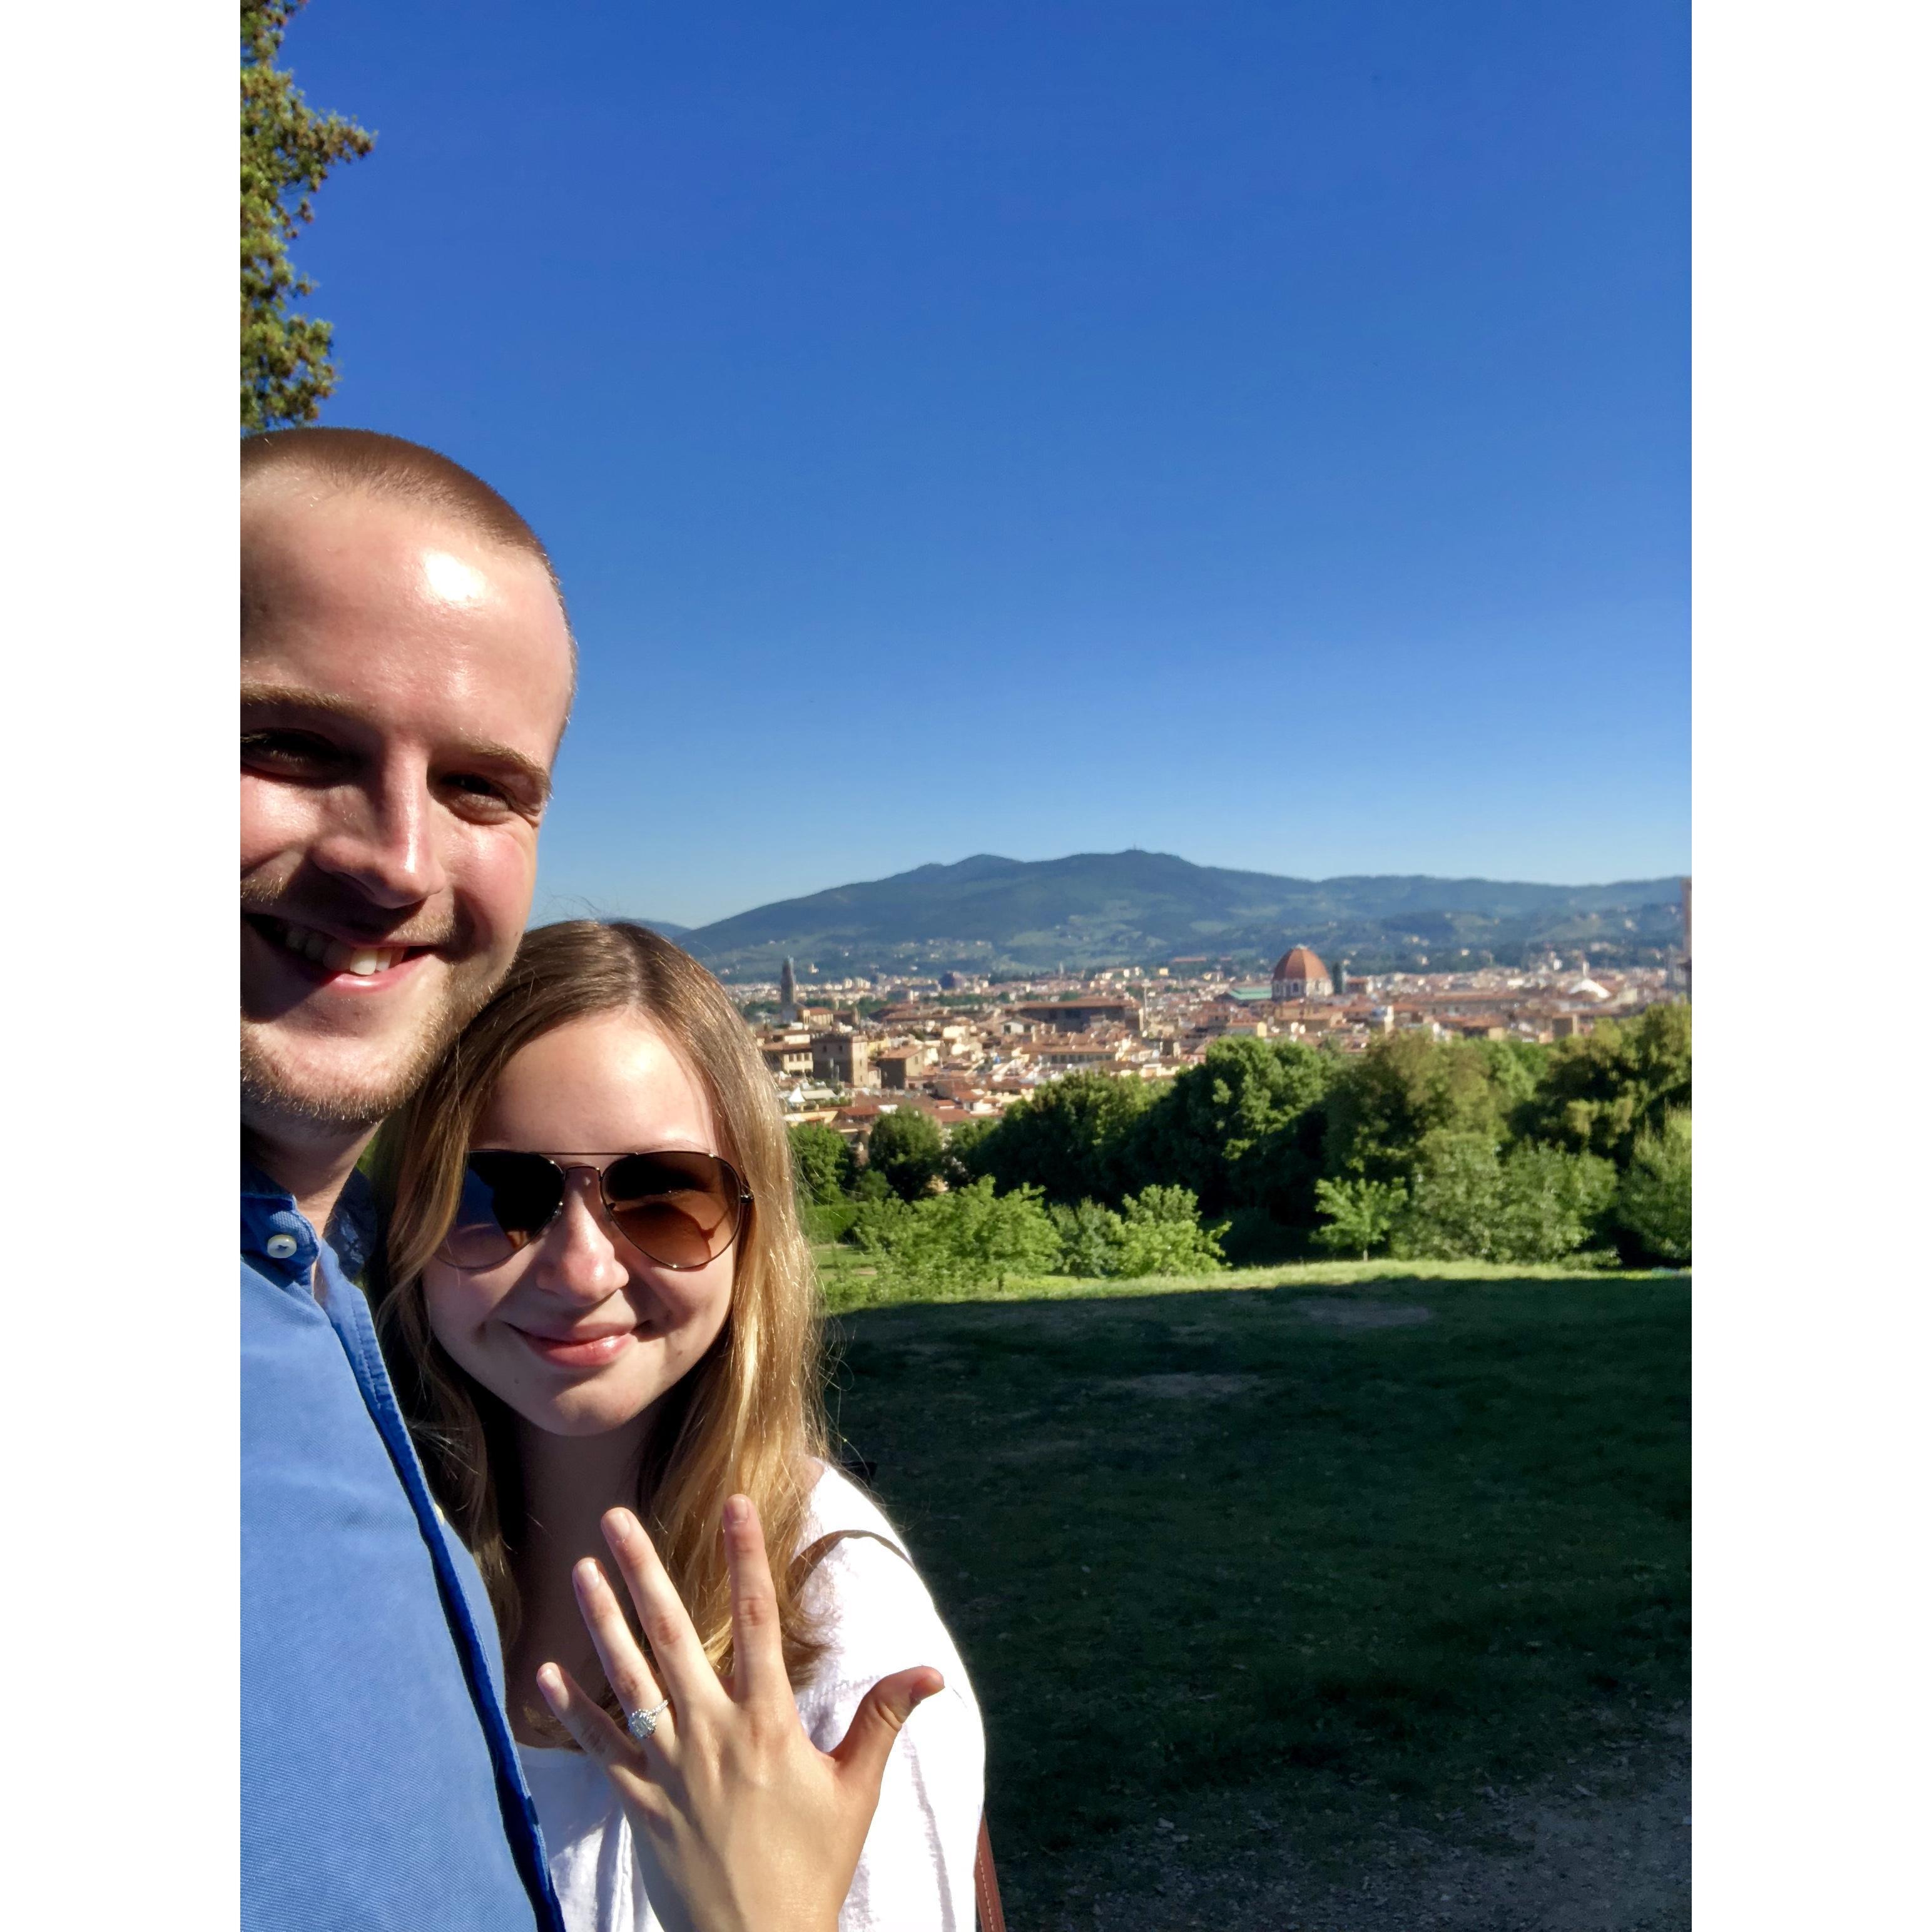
748, 1826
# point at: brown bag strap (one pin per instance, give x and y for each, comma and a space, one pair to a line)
986, 1884
809, 1558
986, 1880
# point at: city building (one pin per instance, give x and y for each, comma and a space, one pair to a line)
971, 1056
845, 1059
786, 1058
1080, 1015
1300, 975
899, 1066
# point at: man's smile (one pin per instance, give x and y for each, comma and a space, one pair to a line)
330, 955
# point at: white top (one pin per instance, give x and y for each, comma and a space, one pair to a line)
916, 1872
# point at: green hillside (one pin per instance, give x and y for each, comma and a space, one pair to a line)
990, 914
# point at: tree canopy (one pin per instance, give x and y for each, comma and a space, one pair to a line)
1654, 1197
1604, 1088
969, 1237
907, 1149
1068, 1139
1431, 1148
287, 149
1405, 1087
1162, 1233
1243, 1128
1359, 1214
822, 1163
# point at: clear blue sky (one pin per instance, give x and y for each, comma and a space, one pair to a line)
1255, 431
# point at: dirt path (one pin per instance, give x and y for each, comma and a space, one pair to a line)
1605, 1849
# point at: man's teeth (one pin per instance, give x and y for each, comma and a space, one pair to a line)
333, 956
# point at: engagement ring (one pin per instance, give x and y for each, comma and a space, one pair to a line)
641, 1724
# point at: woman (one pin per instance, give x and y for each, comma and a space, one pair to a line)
598, 1301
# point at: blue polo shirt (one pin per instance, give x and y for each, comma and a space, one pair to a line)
379, 1782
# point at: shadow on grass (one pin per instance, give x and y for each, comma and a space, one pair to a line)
1339, 1537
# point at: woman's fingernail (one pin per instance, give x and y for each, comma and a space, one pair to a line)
549, 1681
737, 1511
617, 1526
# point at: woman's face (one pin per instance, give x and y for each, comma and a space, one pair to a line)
578, 1332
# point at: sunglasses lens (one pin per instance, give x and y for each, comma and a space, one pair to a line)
507, 1198
681, 1209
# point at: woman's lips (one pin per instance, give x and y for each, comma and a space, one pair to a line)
591, 1352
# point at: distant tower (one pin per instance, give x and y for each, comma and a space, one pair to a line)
1341, 978
787, 994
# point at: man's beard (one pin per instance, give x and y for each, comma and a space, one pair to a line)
273, 1093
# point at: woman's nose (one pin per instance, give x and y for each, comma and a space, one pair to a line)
579, 1259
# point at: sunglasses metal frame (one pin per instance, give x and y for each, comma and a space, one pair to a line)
579, 1161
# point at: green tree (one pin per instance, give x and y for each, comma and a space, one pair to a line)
907, 1149
1162, 1233
1515, 1068
1361, 1214
969, 1238
287, 148
1604, 1088
821, 1163
1552, 1205
1405, 1088
1089, 1238
1066, 1139
1654, 1197
961, 1166
1540, 1204
1243, 1128
1455, 1199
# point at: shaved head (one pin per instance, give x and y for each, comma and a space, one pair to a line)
321, 462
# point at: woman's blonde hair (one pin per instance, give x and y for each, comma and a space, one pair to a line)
748, 1418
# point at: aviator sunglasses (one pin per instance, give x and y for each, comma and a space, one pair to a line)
678, 1208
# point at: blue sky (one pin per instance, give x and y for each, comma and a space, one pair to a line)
1259, 432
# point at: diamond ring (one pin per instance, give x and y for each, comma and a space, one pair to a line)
641, 1724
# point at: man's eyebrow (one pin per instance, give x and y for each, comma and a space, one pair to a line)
296, 698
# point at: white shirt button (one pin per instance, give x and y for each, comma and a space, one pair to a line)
281, 1247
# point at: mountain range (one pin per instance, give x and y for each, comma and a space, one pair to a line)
988, 914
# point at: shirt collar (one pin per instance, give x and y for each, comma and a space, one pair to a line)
267, 1205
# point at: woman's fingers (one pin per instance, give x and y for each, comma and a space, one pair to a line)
626, 1668
758, 1644
681, 1664
861, 1753
586, 1720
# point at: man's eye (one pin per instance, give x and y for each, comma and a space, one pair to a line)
476, 790
288, 751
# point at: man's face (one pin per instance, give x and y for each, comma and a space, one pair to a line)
403, 686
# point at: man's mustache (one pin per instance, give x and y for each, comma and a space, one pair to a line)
349, 922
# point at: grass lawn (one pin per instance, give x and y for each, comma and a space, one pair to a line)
1296, 1556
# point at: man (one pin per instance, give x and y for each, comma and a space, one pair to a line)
406, 669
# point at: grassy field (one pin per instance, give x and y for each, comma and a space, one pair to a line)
1266, 1569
